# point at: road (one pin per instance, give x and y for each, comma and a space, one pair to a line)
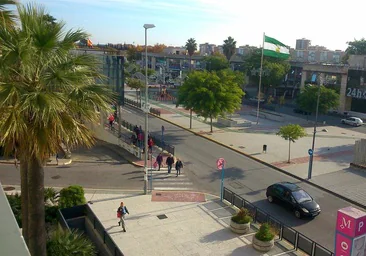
244, 176
88, 175
329, 119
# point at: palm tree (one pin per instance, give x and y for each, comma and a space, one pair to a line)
191, 47
44, 91
6, 17
229, 47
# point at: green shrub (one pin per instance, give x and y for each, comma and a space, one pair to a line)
50, 195
51, 214
265, 233
71, 196
65, 243
242, 217
15, 202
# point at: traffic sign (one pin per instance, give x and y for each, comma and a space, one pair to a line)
310, 152
220, 163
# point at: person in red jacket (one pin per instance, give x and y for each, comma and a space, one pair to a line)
150, 143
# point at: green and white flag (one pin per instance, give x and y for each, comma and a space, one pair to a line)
275, 48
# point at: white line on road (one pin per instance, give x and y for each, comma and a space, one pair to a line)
169, 188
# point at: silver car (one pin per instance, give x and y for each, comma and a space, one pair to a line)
354, 121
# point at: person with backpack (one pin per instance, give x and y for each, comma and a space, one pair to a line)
121, 212
169, 162
178, 166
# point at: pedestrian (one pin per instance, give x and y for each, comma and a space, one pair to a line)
111, 120
121, 212
178, 166
159, 160
57, 158
169, 162
140, 138
150, 143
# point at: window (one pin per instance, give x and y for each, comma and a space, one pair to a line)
301, 196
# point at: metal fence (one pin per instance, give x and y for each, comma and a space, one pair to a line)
169, 148
138, 105
295, 238
85, 211
132, 103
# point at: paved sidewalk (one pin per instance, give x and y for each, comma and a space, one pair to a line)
181, 223
332, 156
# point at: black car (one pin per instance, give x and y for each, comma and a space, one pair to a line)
302, 112
293, 197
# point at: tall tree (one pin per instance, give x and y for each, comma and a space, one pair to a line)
136, 84
216, 63
291, 132
191, 47
46, 95
211, 94
329, 99
356, 47
274, 69
229, 47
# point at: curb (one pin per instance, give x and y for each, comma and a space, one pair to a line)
359, 166
266, 164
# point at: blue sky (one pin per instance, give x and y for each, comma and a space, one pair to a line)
324, 22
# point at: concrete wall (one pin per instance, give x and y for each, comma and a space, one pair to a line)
360, 152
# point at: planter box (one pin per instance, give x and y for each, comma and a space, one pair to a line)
239, 228
226, 122
262, 246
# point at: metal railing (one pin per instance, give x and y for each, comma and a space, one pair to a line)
136, 104
169, 148
295, 238
85, 211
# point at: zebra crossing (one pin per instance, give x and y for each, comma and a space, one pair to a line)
162, 180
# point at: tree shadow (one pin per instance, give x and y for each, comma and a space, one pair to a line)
337, 154
231, 174
224, 234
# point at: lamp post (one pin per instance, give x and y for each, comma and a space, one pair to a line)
146, 110
310, 170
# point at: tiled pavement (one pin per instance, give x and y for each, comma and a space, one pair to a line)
172, 228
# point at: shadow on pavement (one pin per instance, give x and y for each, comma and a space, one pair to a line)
231, 174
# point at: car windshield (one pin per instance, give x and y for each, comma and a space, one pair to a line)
301, 196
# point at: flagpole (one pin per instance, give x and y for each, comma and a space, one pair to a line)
260, 80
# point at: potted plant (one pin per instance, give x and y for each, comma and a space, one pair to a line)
263, 240
240, 222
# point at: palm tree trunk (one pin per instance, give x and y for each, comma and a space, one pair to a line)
36, 211
24, 197
190, 119
211, 123
289, 151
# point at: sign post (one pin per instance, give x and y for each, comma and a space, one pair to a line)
162, 134
220, 163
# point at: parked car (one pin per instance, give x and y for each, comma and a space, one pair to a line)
303, 112
294, 198
355, 121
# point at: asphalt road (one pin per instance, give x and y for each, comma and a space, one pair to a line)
244, 176
329, 119
88, 175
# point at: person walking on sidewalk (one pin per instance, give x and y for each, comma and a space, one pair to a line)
169, 162
159, 160
121, 212
150, 144
111, 120
178, 166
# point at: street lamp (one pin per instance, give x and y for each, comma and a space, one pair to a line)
146, 109
314, 133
